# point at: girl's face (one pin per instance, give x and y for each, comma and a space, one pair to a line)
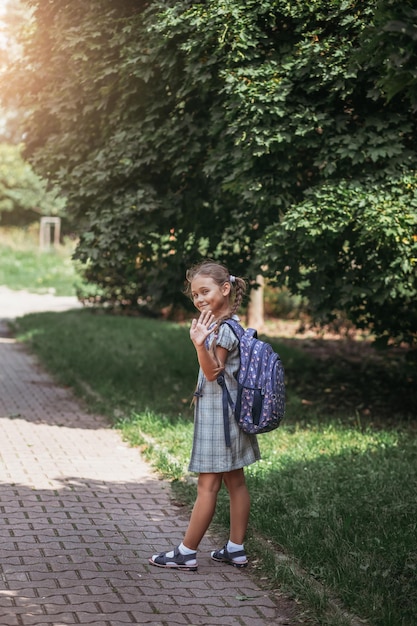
208, 296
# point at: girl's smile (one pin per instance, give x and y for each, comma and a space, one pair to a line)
207, 295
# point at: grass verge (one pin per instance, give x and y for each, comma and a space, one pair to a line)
24, 266
333, 500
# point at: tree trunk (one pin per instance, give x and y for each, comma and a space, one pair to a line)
255, 318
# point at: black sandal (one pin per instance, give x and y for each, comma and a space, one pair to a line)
178, 561
224, 556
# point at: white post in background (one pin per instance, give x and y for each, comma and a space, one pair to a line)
45, 232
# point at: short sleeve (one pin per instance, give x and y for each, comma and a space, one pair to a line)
227, 338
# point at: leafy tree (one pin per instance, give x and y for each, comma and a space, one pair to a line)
14, 19
352, 246
390, 45
186, 129
350, 243
23, 195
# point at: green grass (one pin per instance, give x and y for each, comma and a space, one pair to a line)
24, 266
343, 502
334, 498
117, 363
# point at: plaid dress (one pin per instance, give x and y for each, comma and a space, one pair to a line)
209, 452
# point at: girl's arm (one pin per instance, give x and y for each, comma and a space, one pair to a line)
208, 364
200, 330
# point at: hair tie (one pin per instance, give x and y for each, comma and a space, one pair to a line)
232, 278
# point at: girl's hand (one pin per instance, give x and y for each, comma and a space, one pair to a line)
202, 328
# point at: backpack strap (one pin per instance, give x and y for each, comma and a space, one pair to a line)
226, 397
235, 326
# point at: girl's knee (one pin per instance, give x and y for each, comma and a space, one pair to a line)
209, 483
234, 479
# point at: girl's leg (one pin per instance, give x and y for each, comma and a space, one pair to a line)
239, 504
207, 489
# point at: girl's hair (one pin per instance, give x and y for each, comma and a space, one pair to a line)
220, 274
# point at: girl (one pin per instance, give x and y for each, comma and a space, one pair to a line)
217, 296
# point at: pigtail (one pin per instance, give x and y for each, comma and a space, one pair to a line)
238, 289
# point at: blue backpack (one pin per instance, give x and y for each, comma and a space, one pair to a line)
260, 402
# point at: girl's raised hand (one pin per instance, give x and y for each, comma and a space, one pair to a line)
201, 328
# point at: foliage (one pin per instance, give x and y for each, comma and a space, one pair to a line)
14, 19
335, 498
23, 194
391, 46
280, 303
181, 130
353, 246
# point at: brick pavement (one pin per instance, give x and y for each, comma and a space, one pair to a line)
80, 513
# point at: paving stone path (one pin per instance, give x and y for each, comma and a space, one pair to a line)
80, 513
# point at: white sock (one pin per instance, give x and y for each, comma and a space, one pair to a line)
184, 550
235, 547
